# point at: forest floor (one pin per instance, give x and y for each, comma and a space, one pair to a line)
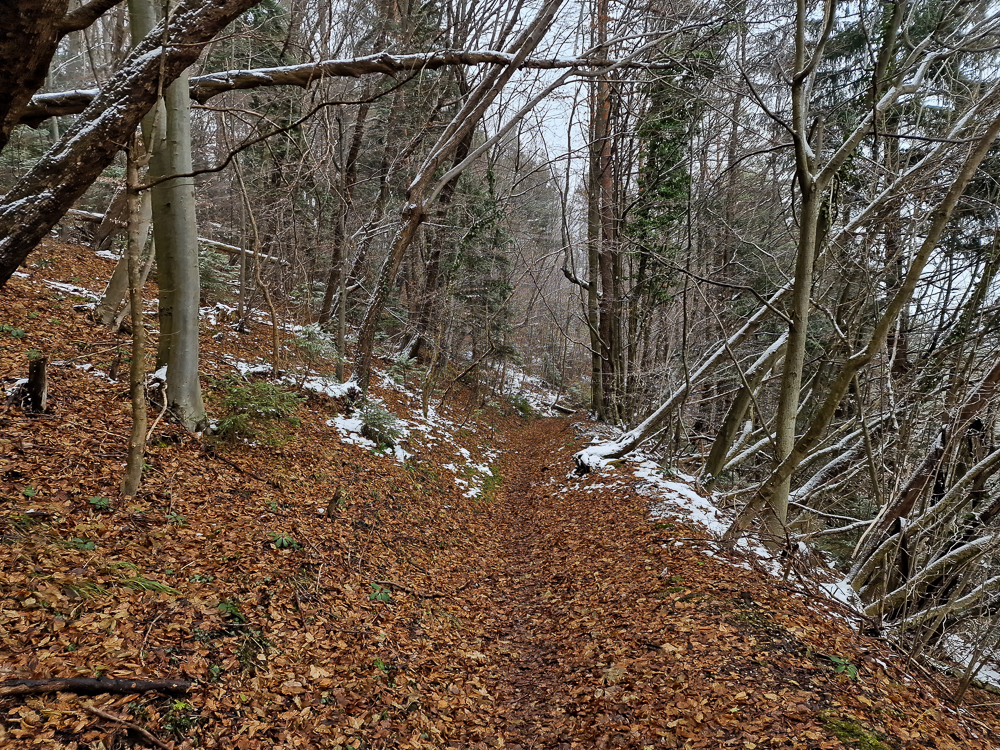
319, 593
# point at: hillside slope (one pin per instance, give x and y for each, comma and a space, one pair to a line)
321, 593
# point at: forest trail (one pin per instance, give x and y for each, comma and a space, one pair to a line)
602, 629
322, 594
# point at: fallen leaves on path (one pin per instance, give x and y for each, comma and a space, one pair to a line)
320, 595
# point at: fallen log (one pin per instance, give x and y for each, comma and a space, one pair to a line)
231, 250
92, 686
563, 409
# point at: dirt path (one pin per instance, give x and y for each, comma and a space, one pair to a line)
576, 578
600, 629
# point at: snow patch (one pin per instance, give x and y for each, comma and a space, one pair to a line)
350, 432
79, 291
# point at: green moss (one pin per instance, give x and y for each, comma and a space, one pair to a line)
852, 734
491, 485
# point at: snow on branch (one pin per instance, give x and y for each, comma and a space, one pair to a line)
204, 87
948, 563
596, 456
963, 603
85, 15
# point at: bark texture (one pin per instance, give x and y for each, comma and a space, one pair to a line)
29, 33
41, 198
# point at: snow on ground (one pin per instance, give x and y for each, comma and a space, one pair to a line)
220, 313
59, 286
73, 289
91, 370
417, 432
539, 394
349, 429
673, 493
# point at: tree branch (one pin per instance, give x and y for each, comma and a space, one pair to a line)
92, 686
210, 85
150, 738
85, 15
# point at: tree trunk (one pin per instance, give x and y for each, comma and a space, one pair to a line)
42, 197
791, 376
430, 307
106, 312
175, 232
175, 236
412, 219
731, 424
594, 276
27, 43
137, 367
38, 385
113, 222
349, 181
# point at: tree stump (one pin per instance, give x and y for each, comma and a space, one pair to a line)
32, 394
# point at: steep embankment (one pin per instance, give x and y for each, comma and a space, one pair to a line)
320, 593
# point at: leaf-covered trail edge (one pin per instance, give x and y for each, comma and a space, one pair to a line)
603, 629
321, 595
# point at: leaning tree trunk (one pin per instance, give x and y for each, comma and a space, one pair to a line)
593, 457
41, 198
430, 304
752, 380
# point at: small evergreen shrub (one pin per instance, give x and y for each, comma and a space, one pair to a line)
378, 425
315, 345
522, 406
215, 275
401, 368
256, 411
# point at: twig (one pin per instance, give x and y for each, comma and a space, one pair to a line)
156, 421
406, 589
128, 724
92, 686
220, 457
145, 638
